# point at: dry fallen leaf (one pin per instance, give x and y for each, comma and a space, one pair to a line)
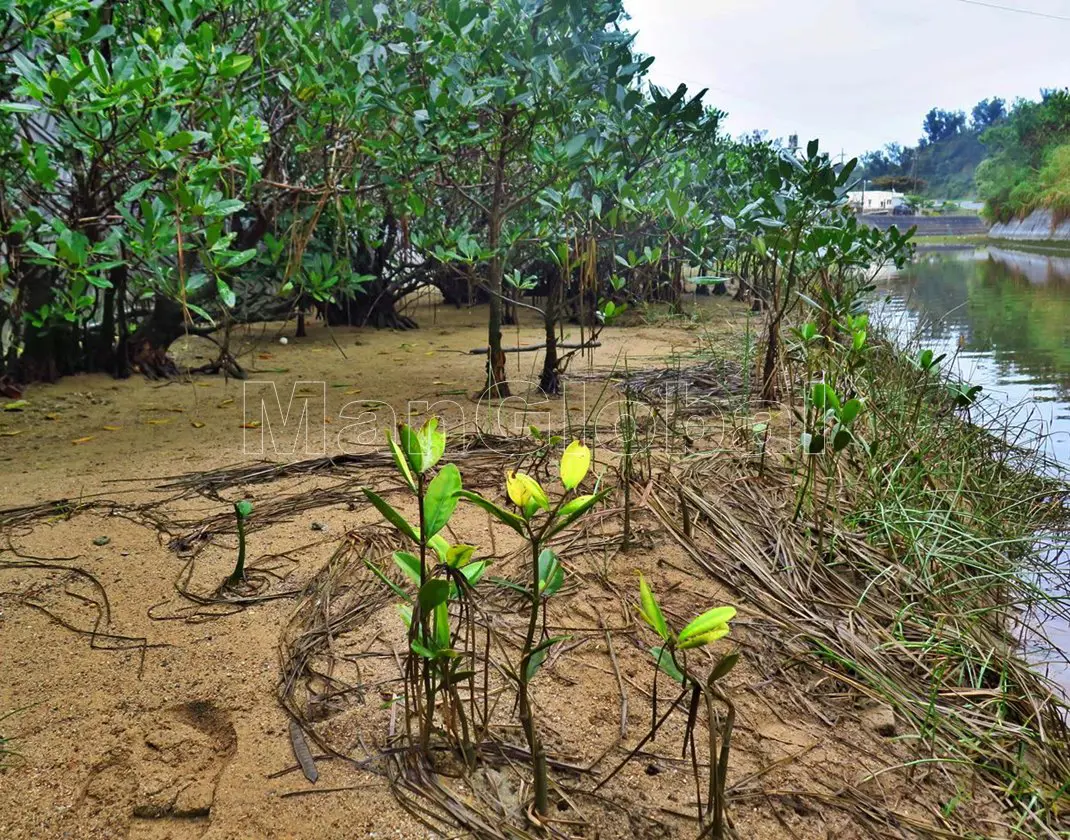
85, 439
226, 402
352, 391
252, 424
52, 416
11, 433
197, 424
159, 421
111, 428
265, 356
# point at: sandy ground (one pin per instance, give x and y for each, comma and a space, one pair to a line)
171, 728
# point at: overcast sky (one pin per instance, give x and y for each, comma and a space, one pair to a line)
855, 73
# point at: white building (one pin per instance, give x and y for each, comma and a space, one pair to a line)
875, 201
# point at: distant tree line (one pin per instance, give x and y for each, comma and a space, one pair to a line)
943, 162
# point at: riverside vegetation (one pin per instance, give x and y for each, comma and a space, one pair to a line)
231, 162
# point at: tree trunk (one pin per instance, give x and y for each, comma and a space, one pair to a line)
300, 332
497, 385
550, 380
148, 345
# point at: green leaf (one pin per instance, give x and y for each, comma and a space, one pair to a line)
539, 654
721, 669
707, 622
458, 556
19, 107
433, 593
508, 518
178, 141
243, 508
440, 499
841, 439
473, 572
400, 462
397, 590
391, 515
824, 397
551, 574
234, 65
651, 611
226, 294
664, 661
850, 411
574, 509
409, 565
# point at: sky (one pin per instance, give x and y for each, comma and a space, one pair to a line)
855, 73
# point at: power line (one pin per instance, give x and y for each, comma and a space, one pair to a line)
1031, 12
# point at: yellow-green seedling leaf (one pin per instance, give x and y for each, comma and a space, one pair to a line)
473, 572
431, 594
405, 611
400, 462
409, 565
433, 442
438, 543
575, 462
17, 405
539, 654
410, 445
391, 515
441, 499
459, 555
243, 508
526, 493
504, 516
573, 510
650, 611
393, 587
551, 574
708, 627
665, 662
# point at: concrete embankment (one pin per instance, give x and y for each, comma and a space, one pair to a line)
931, 225
1038, 226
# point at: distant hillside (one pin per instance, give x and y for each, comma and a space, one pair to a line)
1028, 159
943, 164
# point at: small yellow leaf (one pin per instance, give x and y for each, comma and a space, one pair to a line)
352, 391
226, 402
81, 440
11, 433
159, 421
204, 384
252, 424
430, 353
111, 428
197, 424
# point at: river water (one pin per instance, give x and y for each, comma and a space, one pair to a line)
1003, 318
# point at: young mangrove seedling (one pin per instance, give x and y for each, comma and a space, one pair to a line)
539, 520
242, 510
670, 658
445, 574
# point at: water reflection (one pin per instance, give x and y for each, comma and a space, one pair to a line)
1003, 318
